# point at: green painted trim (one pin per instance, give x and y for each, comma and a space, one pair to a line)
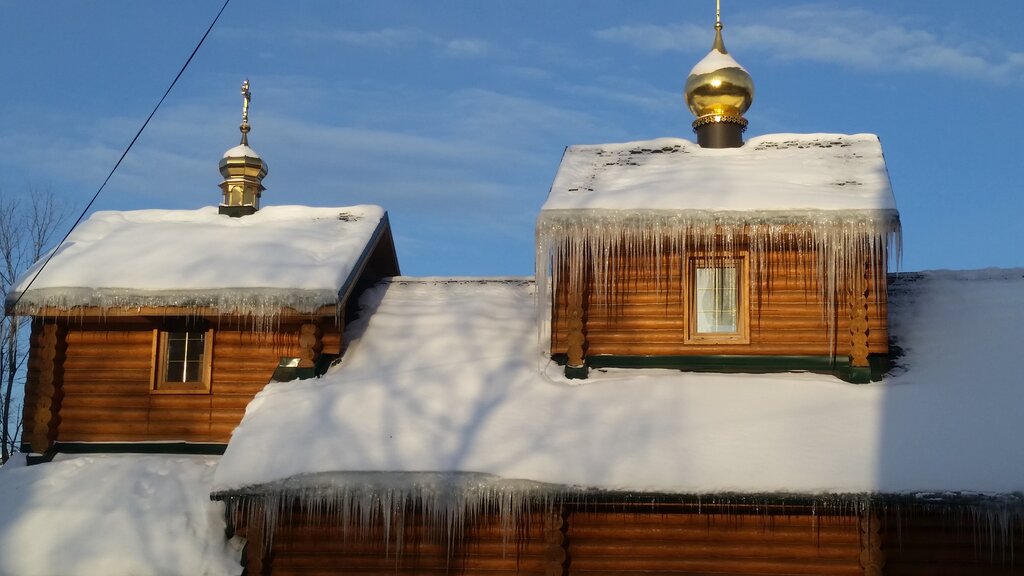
751, 364
197, 448
723, 363
855, 374
576, 372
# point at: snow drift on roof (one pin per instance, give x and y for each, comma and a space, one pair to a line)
446, 377
281, 256
771, 173
116, 515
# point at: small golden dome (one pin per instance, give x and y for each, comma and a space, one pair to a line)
243, 170
718, 89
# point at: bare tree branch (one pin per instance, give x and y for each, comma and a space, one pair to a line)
25, 232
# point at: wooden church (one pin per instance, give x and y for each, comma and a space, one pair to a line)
436, 437
161, 325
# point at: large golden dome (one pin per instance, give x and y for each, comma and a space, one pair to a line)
718, 89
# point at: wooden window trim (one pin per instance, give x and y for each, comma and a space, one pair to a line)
158, 383
742, 334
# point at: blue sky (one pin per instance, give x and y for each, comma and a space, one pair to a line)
453, 115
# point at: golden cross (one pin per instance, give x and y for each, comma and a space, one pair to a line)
718, 14
246, 97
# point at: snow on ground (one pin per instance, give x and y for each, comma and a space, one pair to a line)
280, 256
447, 376
115, 515
773, 173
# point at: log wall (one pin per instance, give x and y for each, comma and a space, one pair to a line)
940, 542
315, 547
665, 539
674, 541
105, 370
648, 315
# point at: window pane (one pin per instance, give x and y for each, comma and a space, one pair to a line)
175, 371
193, 371
717, 299
184, 356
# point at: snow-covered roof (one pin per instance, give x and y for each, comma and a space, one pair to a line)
281, 256
117, 515
775, 173
447, 376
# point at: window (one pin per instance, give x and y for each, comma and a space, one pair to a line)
182, 358
717, 294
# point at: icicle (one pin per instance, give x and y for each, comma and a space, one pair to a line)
591, 247
260, 309
361, 502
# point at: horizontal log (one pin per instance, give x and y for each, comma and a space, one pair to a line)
106, 337
244, 363
394, 567
108, 375
634, 564
91, 430
661, 349
236, 350
84, 401
162, 417
299, 540
253, 375
221, 431
701, 527
237, 387
220, 401
724, 545
190, 431
180, 401
647, 323
72, 416
232, 417
92, 387
773, 336
118, 436
256, 338
764, 328
109, 362
673, 283
421, 562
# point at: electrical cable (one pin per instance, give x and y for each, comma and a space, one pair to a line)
123, 155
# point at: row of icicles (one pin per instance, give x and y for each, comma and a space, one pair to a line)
832, 251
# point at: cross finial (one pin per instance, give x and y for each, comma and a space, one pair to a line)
246, 97
718, 14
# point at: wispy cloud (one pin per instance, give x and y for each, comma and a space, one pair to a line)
400, 38
466, 48
848, 37
383, 38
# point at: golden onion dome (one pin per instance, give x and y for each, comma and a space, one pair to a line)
718, 89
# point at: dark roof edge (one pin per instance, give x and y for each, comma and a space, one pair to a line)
1011, 501
382, 232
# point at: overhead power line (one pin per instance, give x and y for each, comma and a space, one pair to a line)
123, 154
